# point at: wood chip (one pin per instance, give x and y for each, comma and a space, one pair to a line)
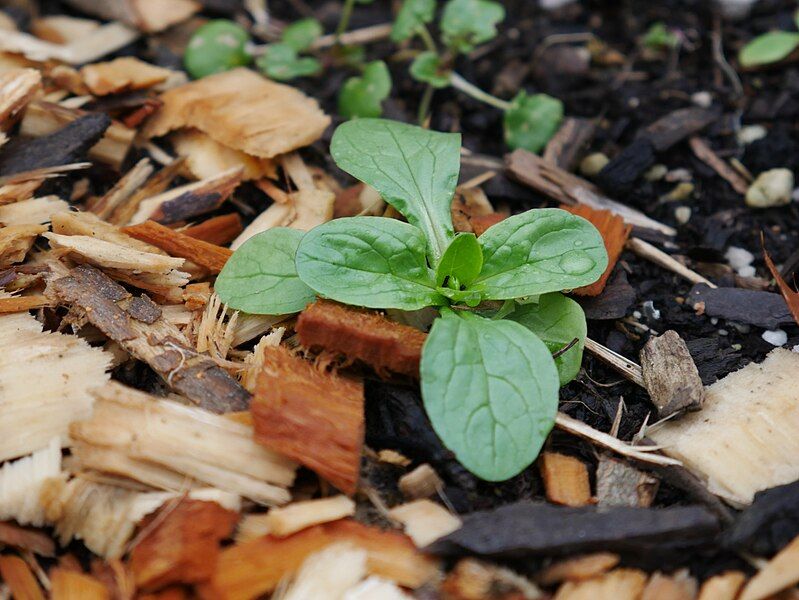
284, 521
160, 344
565, 479
566, 145
22, 483
46, 381
362, 335
656, 255
161, 443
123, 190
619, 484
148, 15
670, 375
32, 212
181, 545
16, 304
16, 241
614, 233
754, 307
621, 584
312, 417
781, 572
705, 153
680, 586
17, 88
732, 441
217, 230
422, 482
329, 573
578, 568
67, 584
26, 539
473, 579
256, 567
791, 297
678, 125
425, 521
205, 157
178, 244
19, 578
124, 74
62, 29
722, 587
244, 111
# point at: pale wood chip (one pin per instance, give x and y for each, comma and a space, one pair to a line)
123, 74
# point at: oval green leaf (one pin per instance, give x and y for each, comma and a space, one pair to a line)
531, 121
215, 47
281, 62
462, 260
539, 251
363, 96
491, 391
414, 169
557, 321
768, 48
301, 34
368, 261
261, 279
427, 68
467, 23
412, 15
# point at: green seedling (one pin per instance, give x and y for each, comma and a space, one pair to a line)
489, 379
659, 37
529, 121
283, 60
215, 47
769, 48
363, 96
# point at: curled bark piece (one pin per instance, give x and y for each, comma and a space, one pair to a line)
670, 375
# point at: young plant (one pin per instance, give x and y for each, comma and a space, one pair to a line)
489, 379
529, 121
770, 47
215, 47
283, 60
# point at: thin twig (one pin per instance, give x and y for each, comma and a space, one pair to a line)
629, 369
657, 256
365, 35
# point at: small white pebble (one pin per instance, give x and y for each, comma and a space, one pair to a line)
650, 311
795, 195
742, 327
553, 4
677, 175
634, 102
592, 164
702, 99
682, 214
795, 348
723, 332
637, 314
771, 188
736, 347
656, 172
747, 271
714, 321
738, 257
775, 337
751, 133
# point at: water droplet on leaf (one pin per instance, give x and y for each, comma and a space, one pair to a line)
576, 262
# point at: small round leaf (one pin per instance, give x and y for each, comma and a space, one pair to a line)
427, 68
215, 47
281, 62
363, 96
301, 34
531, 121
768, 48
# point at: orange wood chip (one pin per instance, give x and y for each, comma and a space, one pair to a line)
565, 479
578, 568
174, 243
217, 230
310, 416
253, 568
17, 575
614, 232
482, 222
67, 584
182, 548
12, 534
362, 335
791, 297
23, 303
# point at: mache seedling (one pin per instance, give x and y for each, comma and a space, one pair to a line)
489, 380
217, 46
770, 47
529, 120
283, 60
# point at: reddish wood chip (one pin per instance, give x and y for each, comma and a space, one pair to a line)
482, 222
183, 547
791, 297
217, 230
310, 416
74, 585
12, 534
254, 568
174, 243
362, 335
614, 232
17, 575
565, 479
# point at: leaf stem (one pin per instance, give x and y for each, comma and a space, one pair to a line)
459, 83
344, 20
428, 40
424, 104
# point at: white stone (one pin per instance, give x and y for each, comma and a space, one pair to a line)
702, 99
735, 9
738, 257
771, 188
747, 271
682, 214
553, 4
593, 164
775, 337
751, 133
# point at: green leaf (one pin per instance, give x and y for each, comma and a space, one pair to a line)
301, 34
531, 121
796, 18
557, 320
539, 251
427, 68
363, 96
461, 261
260, 278
414, 169
658, 36
768, 48
368, 261
491, 391
467, 23
215, 47
412, 15
468, 297
281, 62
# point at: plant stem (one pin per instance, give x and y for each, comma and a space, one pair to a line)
459, 83
424, 104
428, 40
344, 20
